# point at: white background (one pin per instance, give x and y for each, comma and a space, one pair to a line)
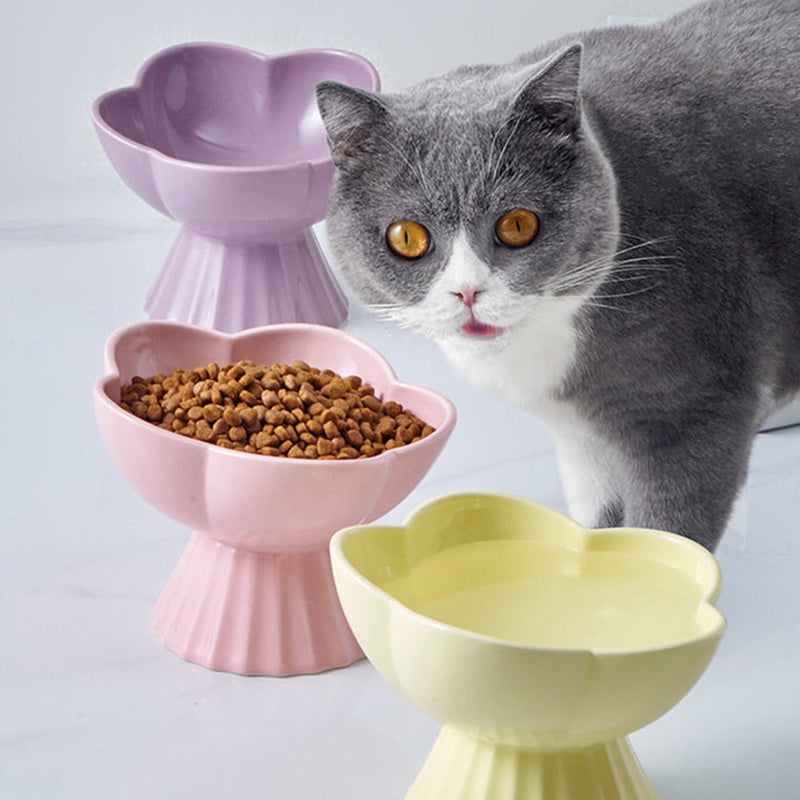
91, 705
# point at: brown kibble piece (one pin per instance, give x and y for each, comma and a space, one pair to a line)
232, 417
354, 437
315, 427
266, 440
203, 431
273, 417
392, 409
269, 398
212, 412
220, 428
330, 429
291, 382
385, 427
307, 394
237, 434
230, 389
372, 403
292, 401
249, 418
404, 435
329, 415
325, 447
334, 388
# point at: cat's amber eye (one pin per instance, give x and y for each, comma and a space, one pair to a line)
517, 228
408, 239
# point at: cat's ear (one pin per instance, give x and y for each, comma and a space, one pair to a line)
551, 94
351, 116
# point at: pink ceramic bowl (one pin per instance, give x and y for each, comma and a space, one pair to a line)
229, 142
253, 592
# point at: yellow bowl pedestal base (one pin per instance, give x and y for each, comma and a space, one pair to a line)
464, 767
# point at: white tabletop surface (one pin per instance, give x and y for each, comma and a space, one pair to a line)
92, 706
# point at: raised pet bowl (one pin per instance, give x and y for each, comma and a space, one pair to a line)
253, 592
229, 143
538, 643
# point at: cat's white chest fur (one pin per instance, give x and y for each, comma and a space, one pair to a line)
525, 366
528, 372
531, 364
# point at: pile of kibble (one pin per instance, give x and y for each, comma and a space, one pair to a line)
291, 410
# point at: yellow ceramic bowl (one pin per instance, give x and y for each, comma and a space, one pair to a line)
519, 628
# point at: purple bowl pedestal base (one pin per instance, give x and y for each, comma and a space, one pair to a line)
254, 612
234, 285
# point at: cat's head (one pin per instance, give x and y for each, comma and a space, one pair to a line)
463, 205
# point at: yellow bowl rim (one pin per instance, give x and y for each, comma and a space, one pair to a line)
708, 599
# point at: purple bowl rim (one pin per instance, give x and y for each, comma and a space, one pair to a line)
154, 152
101, 396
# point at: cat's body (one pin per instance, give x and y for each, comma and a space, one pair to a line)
655, 318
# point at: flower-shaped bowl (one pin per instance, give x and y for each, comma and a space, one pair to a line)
230, 143
540, 644
253, 592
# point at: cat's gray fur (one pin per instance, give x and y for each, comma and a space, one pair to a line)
668, 190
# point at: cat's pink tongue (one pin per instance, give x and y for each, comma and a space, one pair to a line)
475, 328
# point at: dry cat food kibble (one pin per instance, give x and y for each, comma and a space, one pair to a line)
293, 410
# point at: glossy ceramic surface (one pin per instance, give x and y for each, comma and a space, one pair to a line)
253, 592
229, 142
540, 644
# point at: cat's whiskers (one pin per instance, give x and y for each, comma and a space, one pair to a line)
417, 318
607, 269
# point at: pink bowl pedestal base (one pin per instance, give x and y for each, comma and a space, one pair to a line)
232, 285
254, 612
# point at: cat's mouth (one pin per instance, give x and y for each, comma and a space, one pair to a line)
478, 329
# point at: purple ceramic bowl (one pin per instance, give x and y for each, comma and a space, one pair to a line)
230, 143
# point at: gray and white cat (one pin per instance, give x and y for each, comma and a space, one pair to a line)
606, 232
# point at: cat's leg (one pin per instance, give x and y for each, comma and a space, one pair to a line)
587, 468
689, 485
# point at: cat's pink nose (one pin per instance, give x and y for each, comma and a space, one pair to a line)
467, 295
